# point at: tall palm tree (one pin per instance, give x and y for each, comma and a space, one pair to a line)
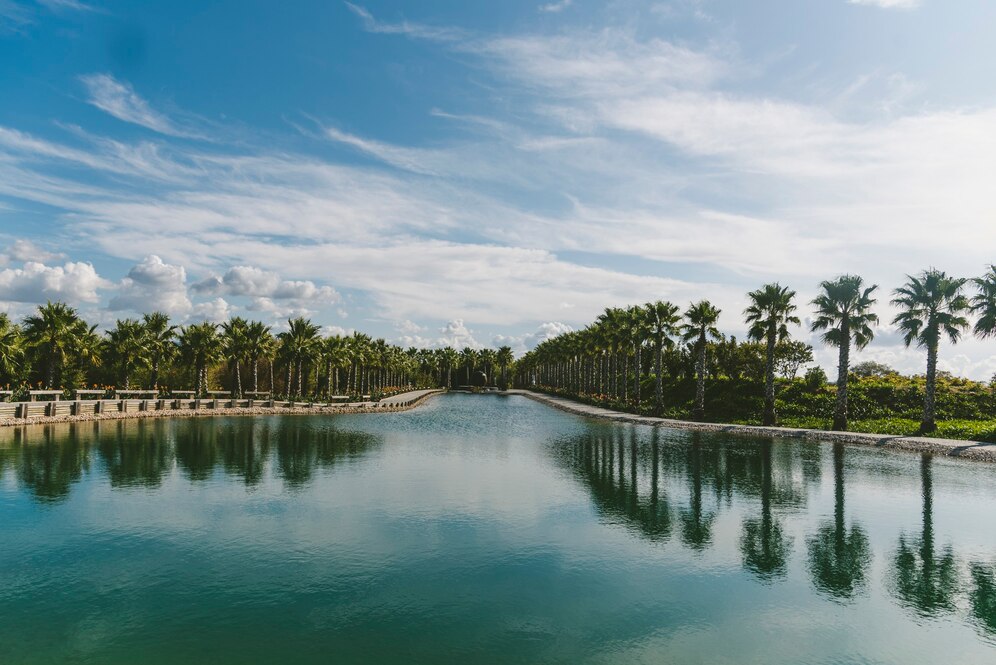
612, 323
161, 339
637, 330
843, 313
52, 335
300, 343
200, 347
468, 358
699, 326
770, 312
450, 358
984, 303
11, 349
504, 358
259, 345
358, 345
235, 347
128, 345
931, 305
663, 319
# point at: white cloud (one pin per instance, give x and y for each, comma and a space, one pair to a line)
408, 327
23, 251
37, 283
121, 101
554, 7
456, 334
153, 285
523, 343
888, 4
265, 287
417, 30
217, 311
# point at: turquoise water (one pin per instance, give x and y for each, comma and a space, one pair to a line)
484, 529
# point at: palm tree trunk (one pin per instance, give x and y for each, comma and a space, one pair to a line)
271, 378
770, 417
638, 369
659, 383
290, 368
700, 378
127, 380
928, 425
238, 380
843, 360
255, 375
300, 378
155, 373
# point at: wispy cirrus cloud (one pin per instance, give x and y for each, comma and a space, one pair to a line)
417, 30
555, 7
888, 4
121, 101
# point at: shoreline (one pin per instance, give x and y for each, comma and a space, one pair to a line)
394, 404
956, 448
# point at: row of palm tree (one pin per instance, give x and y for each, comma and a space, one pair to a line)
56, 346
602, 358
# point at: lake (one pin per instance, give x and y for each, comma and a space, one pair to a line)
484, 529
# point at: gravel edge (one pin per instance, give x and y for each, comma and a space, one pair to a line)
970, 450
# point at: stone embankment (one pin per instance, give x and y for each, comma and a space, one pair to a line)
973, 450
122, 409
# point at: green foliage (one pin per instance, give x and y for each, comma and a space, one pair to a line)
815, 378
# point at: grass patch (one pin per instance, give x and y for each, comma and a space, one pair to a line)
970, 430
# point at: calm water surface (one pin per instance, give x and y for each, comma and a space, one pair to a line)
484, 529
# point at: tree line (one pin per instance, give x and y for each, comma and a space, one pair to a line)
56, 348
606, 361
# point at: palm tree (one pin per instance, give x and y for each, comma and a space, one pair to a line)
504, 358
662, 317
358, 345
984, 303
843, 312
638, 329
52, 335
259, 345
699, 326
234, 339
931, 305
300, 343
161, 338
128, 344
770, 312
611, 323
200, 346
450, 358
11, 349
468, 358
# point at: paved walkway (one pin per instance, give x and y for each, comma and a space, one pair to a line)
400, 402
974, 450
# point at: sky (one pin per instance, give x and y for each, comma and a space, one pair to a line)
484, 173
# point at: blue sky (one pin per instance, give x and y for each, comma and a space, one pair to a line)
477, 173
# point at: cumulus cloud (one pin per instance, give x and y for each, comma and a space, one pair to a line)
153, 285
23, 251
529, 341
456, 334
266, 287
217, 311
37, 283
